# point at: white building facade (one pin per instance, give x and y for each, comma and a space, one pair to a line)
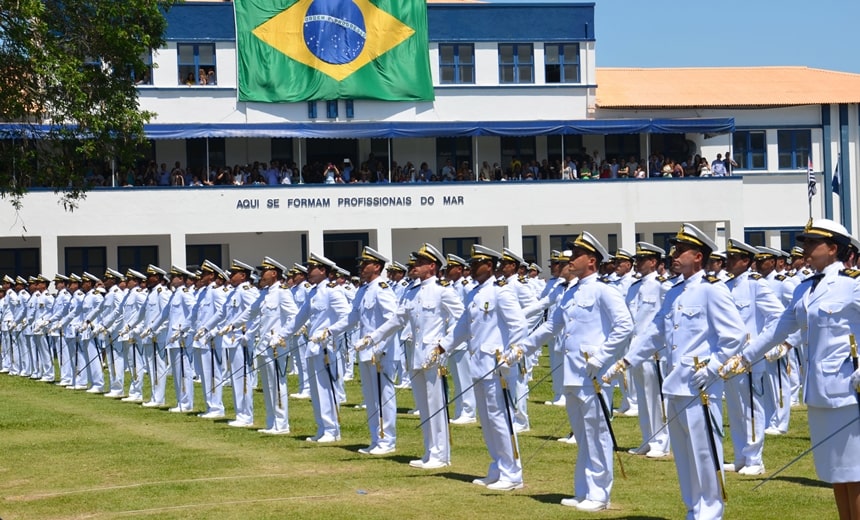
511, 80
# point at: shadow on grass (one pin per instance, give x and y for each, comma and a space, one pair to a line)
803, 481
555, 499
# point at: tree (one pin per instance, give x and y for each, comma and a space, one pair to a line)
67, 89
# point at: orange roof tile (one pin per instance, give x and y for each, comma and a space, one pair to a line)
724, 87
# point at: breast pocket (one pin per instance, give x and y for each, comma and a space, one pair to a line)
583, 310
690, 318
483, 310
830, 313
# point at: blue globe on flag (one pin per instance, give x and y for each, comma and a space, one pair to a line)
334, 31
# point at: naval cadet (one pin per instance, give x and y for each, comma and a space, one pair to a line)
152, 339
827, 305
593, 322
701, 327
458, 361
132, 308
208, 352
373, 305
759, 307
644, 299
325, 304
491, 321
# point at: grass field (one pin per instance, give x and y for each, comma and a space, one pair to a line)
70, 455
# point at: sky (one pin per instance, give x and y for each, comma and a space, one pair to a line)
721, 33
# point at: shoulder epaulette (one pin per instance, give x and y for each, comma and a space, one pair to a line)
755, 276
712, 279
443, 283
729, 276
852, 273
661, 279
226, 288
308, 285
185, 289
384, 285
159, 289
806, 272
331, 285
605, 280
404, 283
522, 279
780, 277
501, 283
465, 282
284, 286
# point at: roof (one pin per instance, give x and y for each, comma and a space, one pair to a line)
724, 87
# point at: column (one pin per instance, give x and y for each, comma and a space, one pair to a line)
316, 241
177, 249
515, 238
384, 242
627, 240
49, 255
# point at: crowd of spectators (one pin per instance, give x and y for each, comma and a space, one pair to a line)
373, 170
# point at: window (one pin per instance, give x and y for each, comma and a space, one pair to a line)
516, 63
561, 62
331, 109
144, 75
794, 148
196, 153
662, 240
458, 150
196, 63
559, 242
622, 146
461, 247
282, 149
560, 146
749, 150
196, 253
530, 246
612, 243
523, 149
312, 109
350, 109
788, 238
136, 257
456, 63
19, 262
90, 259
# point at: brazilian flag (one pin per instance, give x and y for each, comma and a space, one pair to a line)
301, 50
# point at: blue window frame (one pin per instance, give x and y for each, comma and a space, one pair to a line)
196, 253
312, 109
350, 109
196, 63
750, 149
461, 247
794, 146
90, 259
530, 248
561, 62
136, 257
516, 63
456, 63
662, 240
458, 150
559, 242
331, 109
19, 262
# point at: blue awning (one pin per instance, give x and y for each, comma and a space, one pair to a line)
412, 129
438, 129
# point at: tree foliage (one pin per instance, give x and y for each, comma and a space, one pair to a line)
67, 89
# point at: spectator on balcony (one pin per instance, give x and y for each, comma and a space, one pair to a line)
210, 77
677, 168
704, 168
640, 172
623, 170
718, 167
346, 170
448, 172
201, 77
189, 79
585, 171
730, 164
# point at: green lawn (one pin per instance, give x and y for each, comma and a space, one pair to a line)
70, 454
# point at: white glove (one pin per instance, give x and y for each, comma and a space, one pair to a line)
777, 352
733, 366
513, 355
705, 375
225, 329
302, 331
363, 343
435, 358
101, 330
174, 337
321, 336
199, 334
146, 332
855, 380
617, 369
592, 367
